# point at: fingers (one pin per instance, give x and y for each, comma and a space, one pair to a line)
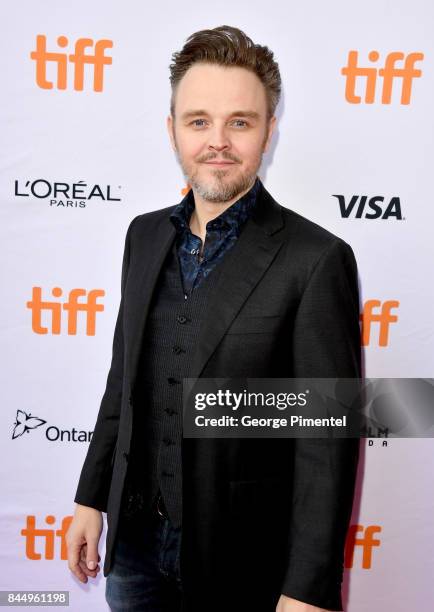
74, 561
87, 571
91, 554
82, 543
84, 564
77, 563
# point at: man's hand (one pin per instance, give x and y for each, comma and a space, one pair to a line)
288, 604
82, 542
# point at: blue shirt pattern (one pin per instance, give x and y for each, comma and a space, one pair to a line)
221, 235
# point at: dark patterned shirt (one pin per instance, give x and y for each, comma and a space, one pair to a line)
221, 234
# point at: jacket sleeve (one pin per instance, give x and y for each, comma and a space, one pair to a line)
326, 345
94, 482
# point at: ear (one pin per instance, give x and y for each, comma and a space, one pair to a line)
170, 129
270, 130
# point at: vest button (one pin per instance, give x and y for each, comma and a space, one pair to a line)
177, 350
181, 319
167, 441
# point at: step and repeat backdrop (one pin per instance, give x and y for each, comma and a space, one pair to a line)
84, 149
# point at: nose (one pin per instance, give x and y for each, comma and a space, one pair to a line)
218, 140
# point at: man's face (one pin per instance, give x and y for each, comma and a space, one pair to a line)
220, 129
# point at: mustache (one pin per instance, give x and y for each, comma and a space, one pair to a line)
225, 156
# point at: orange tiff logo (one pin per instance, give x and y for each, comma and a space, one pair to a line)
390, 73
79, 58
383, 316
72, 306
366, 542
47, 537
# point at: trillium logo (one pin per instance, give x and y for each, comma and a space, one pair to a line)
25, 422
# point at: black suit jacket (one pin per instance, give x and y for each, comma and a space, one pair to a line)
261, 517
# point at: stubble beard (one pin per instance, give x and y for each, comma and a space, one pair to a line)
219, 188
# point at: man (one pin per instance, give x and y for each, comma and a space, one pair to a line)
230, 284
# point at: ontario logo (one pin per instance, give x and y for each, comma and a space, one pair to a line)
26, 422
365, 207
61, 194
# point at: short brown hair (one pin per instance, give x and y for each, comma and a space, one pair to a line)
227, 46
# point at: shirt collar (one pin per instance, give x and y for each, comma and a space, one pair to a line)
232, 218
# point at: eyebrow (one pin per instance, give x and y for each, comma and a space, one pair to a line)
240, 113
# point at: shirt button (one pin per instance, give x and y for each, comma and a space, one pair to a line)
181, 319
177, 350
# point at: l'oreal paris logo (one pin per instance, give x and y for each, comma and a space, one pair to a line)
63, 194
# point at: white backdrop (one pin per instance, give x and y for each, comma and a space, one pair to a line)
325, 146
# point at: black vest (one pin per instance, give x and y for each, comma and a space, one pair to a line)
169, 341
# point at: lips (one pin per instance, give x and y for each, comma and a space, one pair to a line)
219, 163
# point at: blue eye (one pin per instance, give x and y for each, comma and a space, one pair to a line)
238, 123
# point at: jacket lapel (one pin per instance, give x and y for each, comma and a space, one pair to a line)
241, 270
145, 288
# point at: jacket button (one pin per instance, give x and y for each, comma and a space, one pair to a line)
181, 319
167, 473
177, 350
130, 399
170, 411
167, 441
172, 381
126, 456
